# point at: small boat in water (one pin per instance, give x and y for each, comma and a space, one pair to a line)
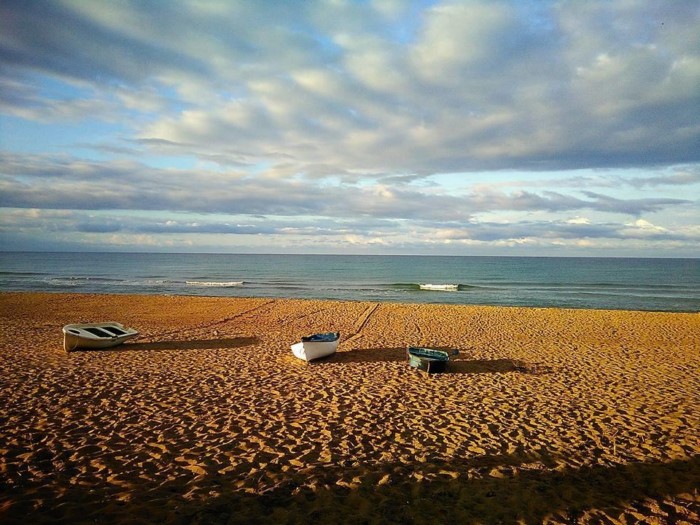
316, 346
428, 359
96, 335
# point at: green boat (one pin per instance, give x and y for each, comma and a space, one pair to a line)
428, 359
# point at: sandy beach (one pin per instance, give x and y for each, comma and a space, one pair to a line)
546, 415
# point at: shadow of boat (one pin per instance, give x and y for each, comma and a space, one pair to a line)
194, 344
370, 355
455, 366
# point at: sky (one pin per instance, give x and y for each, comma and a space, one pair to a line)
542, 128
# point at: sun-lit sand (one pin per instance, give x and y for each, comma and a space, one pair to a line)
555, 416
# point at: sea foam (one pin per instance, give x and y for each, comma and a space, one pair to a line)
440, 287
218, 284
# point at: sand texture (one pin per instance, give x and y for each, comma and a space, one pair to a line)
546, 416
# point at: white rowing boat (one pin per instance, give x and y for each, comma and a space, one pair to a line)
316, 346
96, 335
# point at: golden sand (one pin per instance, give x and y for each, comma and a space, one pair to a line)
546, 416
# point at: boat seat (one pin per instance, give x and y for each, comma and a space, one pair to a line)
99, 332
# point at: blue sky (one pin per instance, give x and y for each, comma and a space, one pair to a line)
421, 127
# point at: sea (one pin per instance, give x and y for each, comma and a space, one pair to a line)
670, 285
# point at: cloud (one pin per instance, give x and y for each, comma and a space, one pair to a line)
631, 206
683, 175
565, 230
107, 230
680, 177
450, 87
21, 99
170, 227
61, 182
465, 97
77, 41
317, 119
195, 225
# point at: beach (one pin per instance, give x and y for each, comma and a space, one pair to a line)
545, 416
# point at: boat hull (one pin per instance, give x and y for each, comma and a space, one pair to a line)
96, 335
316, 346
309, 351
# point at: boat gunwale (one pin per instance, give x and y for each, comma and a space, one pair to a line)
424, 353
332, 337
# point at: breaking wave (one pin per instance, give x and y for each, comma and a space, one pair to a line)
450, 287
216, 284
440, 287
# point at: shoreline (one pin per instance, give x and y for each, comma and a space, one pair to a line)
546, 414
331, 300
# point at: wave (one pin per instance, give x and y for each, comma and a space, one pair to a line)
11, 273
216, 284
82, 281
450, 287
440, 287
77, 279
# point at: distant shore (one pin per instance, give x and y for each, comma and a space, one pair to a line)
546, 414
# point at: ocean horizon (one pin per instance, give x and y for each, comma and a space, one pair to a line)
651, 284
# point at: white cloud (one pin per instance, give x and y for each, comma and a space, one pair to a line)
579, 220
643, 228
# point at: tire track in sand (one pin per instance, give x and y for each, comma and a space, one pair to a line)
361, 322
217, 322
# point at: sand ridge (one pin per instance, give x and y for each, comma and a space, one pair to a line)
545, 416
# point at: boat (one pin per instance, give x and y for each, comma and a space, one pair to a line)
428, 359
316, 346
96, 335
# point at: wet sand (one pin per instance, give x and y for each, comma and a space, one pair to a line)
546, 416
